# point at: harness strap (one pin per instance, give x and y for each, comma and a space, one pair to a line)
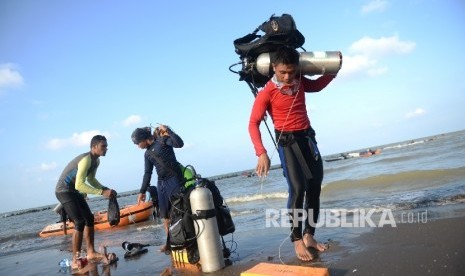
290, 139
298, 153
204, 214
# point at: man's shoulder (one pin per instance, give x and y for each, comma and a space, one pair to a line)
81, 156
269, 86
268, 90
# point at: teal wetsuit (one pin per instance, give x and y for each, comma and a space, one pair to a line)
77, 180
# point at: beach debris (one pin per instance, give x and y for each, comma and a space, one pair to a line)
65, 266
64, 263
81, 262
328, 243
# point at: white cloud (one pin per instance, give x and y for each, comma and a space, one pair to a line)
132, 120
374, 6
48, 167
383, 46
377, 71
356, 63
366, 55
417, 112
56, 144
9, 76
77, 140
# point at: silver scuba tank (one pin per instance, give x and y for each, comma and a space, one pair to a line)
206, 229
310, 63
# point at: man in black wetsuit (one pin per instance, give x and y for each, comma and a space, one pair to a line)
160, 154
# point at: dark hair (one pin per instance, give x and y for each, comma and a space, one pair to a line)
97, 139
140, 134
285, 55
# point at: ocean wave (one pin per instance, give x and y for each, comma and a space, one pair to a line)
395, 159
18, 237
341, 167
430, 202
412, 143
255, 197
245, 212
409, 180
394, 203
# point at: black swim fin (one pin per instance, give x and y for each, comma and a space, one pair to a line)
135, 252
128, 246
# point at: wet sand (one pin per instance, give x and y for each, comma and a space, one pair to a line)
435, 247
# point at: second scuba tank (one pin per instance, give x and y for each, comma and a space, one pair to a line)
310, 63
206, 229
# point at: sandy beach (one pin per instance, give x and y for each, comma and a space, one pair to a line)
435, 247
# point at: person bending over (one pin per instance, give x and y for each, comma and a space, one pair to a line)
77, 180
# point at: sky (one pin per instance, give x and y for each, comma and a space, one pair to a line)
72, 69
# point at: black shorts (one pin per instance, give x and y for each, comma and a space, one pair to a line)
77, 209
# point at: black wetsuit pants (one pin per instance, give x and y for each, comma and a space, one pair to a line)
303, 170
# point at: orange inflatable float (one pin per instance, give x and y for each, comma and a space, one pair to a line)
128, 215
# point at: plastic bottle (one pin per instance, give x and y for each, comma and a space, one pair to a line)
64, 263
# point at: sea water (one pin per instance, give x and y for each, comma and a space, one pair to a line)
407, 175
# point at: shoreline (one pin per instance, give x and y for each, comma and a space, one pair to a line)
434, 247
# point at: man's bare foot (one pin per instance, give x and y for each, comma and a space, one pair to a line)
95, 256
163, 248
302, 252
309, 241
74, 265
84, 270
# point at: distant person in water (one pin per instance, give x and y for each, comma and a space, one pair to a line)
76, 181
284, 98
159, 153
